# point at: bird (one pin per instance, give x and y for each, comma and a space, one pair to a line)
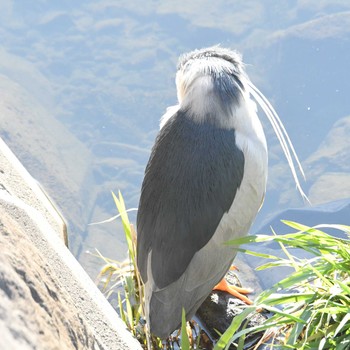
204, 184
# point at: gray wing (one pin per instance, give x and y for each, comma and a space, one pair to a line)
190, 181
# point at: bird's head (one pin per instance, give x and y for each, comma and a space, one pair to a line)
214, 79
212, 68
210, 79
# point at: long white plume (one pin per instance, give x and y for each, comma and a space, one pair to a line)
281, 133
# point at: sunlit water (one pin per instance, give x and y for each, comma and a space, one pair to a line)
83, 86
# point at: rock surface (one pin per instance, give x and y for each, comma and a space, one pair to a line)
47, 301
219, 309
35, 311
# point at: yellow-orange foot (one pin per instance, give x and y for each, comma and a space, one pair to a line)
235, 291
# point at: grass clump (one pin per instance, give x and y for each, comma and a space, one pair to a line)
310, 308
124, 279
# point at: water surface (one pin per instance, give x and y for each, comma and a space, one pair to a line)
84, 84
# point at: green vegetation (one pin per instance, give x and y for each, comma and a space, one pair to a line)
124, 279
313, 301
310, 307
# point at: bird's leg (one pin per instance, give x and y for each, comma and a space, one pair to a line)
235, 291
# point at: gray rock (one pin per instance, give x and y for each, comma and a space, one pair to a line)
35, 311
47, 301
217, 312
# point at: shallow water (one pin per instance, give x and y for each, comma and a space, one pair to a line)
83, 86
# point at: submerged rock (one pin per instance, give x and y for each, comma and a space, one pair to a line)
217, 312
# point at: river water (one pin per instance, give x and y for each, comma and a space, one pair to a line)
84, 84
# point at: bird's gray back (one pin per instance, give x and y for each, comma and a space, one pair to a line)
190, 181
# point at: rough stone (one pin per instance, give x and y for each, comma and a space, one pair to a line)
35, 311
48, 301
218, 310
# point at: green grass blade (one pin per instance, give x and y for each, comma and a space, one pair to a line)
281, 313
278, 299
241, 339
119, 202
250, 239
288, 282
342, 324
224, 341
259, 255
298, 327
121, 309
185, 342
344, 287
129, 313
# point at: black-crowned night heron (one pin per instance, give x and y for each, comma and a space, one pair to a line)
204, 184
